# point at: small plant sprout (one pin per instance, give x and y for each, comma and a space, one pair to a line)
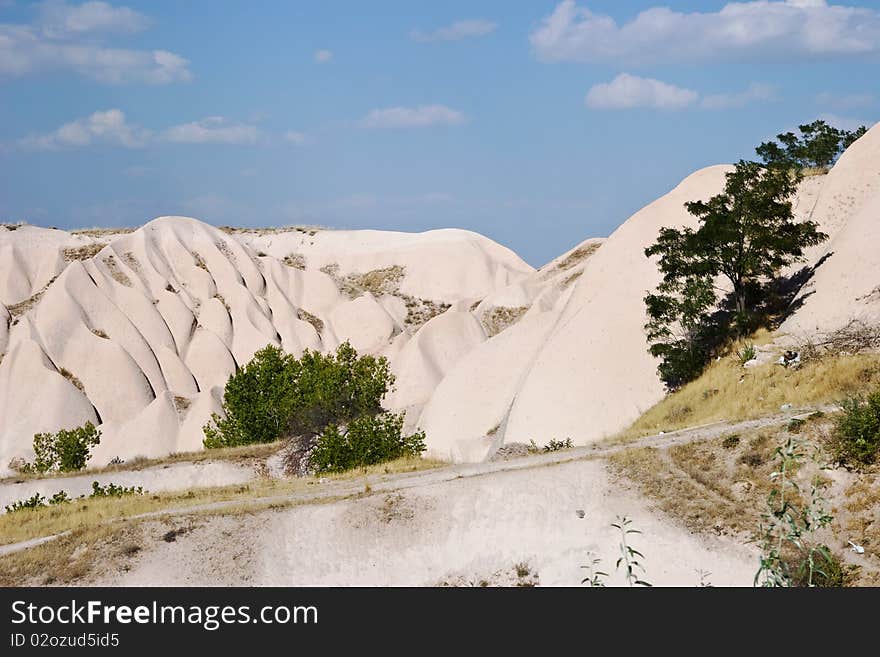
704, 578
789, 556
630, 558
746, 353
594, 576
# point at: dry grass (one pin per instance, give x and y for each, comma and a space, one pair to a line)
92, 512
129, 259
16, 310
501, 318
116, 271
69, 559
244, 454
310, 230
67, 374
727, 391
100, 333
181, 404
577, 256
199, 261
861, 522
721, 485
377, 282
421, 311
82, 252
102, 232
568, 280
306, 316
295, 260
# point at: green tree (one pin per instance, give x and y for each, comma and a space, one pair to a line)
366, 440
818, 146
65, 451
857, 433
851, 137
329, 405
745, 235
257, 402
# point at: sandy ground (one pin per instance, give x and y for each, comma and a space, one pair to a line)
461, 531
175, 476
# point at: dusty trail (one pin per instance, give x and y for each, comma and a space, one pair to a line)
340, 490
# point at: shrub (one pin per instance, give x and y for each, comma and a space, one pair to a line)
789, 554
30, 503
113, 490
795, 425
556, 445
857, 433
276, 395
66, 450
731, 441
746, 353
367, 440
61, 497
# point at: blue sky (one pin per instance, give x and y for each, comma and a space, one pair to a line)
536, 123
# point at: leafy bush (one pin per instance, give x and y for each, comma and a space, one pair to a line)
795, 425
30, 503
61, 497
746, 353
556, 445
857, 434
66, 450
113, 490
817, 147
276, 395
366, 440
789, 554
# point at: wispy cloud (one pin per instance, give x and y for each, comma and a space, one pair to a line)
212, 130
323, 56
846, 101
58, 19
295, 137
412, 117
107, 127
456, 32
68, 38
760, 28
845, 122
756, 92
111, 127
629, 91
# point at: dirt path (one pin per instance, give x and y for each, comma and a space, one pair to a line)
336, 490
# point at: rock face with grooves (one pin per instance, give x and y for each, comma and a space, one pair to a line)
139, 331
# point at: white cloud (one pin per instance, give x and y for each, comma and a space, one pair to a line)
759, 28
412, 117
58, 19
108, 127
323, 56
457, 31
65, 39
212, 130
295, 137
629, 91
846, 101
111, 127
845, 123
756, 92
